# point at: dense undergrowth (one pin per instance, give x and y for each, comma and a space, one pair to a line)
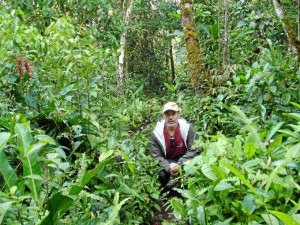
72, 152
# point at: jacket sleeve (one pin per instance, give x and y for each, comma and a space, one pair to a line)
190, 153
157, 153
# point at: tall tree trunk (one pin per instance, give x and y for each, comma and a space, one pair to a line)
172, 63
122, 47
192, 43
298, 20
219, 34
226, 35
288, 29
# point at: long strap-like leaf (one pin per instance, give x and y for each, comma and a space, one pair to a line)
6, 170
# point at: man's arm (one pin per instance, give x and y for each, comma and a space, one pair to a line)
157, 153
190, 153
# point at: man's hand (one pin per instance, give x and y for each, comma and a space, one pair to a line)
174, 169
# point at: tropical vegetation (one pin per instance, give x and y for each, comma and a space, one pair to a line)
82, 85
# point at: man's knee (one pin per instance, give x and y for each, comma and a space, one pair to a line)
164, 177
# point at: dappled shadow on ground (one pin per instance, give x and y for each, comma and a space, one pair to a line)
165, 214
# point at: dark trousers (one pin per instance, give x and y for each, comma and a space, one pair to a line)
163, 177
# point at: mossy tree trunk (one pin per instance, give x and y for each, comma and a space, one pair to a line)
288, 29
298, 20
192, 43
122, 49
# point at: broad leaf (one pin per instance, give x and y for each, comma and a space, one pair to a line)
34, 147
248, 204
270, 219
240, 176
59, 204
287, 219
250, 146
115, 212
24, 138
223, 186
295, 116
3, 209
178, 207
208, 172
245, 32
32, 170
7, 171
273, 130
201, 217
4, 137
128, 161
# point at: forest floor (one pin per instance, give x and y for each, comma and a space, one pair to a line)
162, 215
165, 214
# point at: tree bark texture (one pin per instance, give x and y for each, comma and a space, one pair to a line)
191, 41
288, 29
298, 22
172, 64
226, 35
122, 51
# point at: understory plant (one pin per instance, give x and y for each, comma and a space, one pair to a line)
251, 178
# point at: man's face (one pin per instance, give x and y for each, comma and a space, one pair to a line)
171, 118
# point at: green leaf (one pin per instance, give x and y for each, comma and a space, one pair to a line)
175, 15
128, 161
105, 155
218, 171
45, 139
34, 147
273, 130
4, 137
245, 32
284, 218
273, 174
237, 148
208, 172
223, 186
59, 204
296, 104
240, 176
178, 207
115, 212
286, 97
7, 172
250, 147
201, 217
270, 219
296, 204
292, 152
203, 27
24, 138
31, 170
75, 190
248, 204
66, 89
295, 116
289, 133
3, 209
214, 31
262, 110
252, 163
